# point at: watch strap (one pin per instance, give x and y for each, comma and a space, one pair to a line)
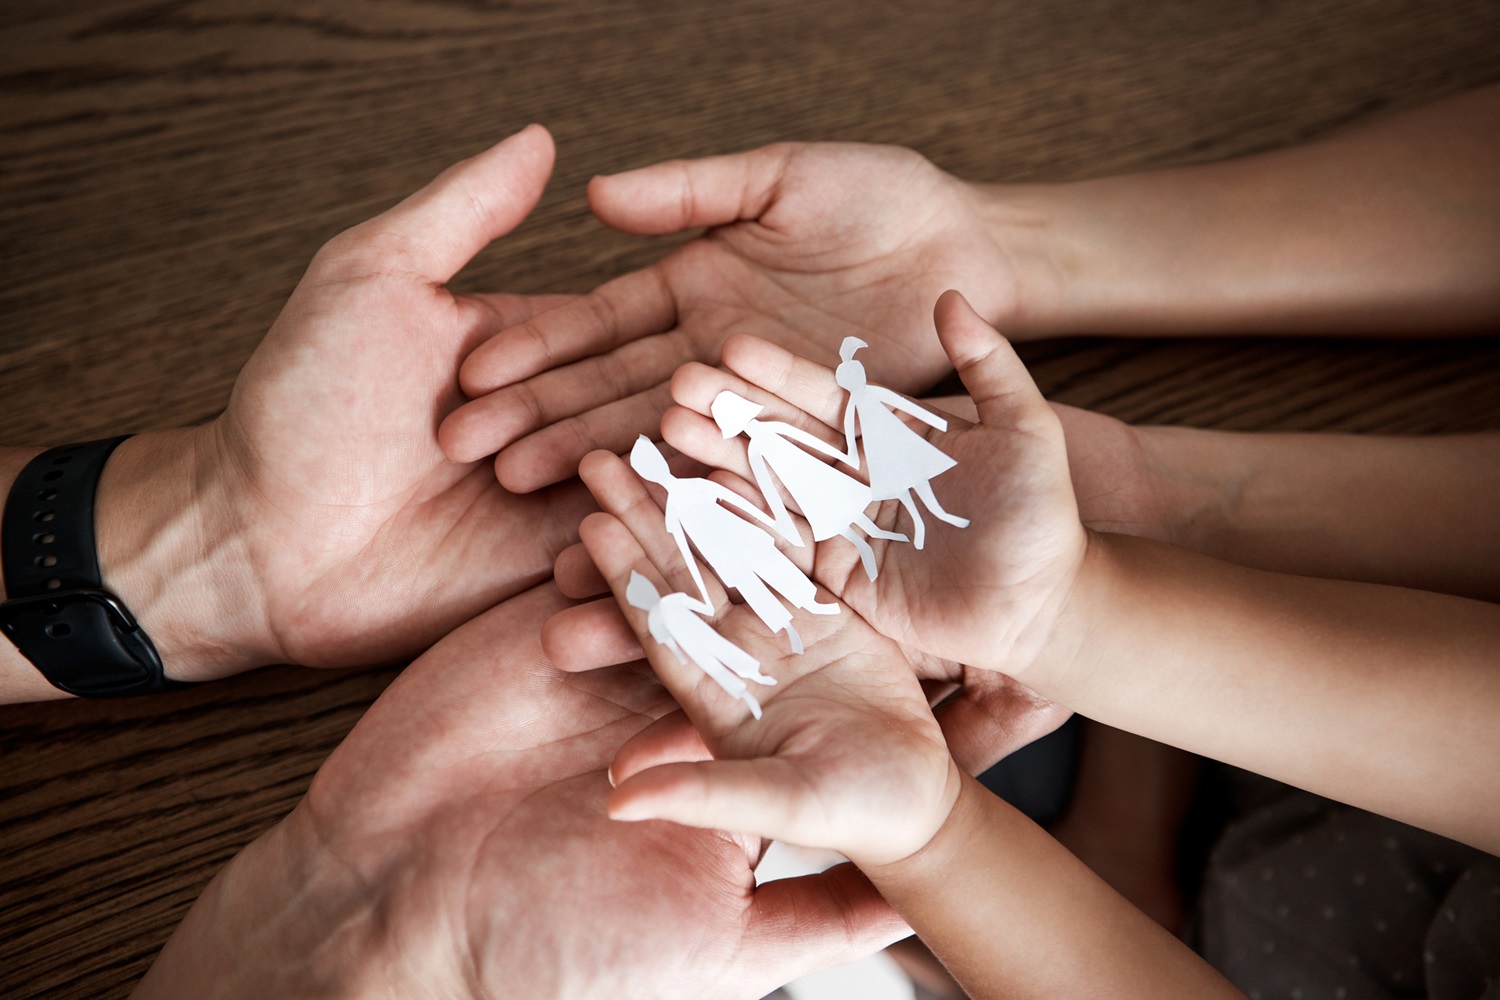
58, 613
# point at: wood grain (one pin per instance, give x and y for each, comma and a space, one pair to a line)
167, 168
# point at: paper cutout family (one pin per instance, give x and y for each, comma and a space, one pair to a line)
899, 464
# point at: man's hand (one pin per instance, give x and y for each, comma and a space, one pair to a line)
320, 498
456, 844
815, 243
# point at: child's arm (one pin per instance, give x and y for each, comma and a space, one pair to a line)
1382, 697
847, 756
1012, 913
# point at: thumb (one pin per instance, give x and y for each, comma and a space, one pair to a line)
986, 363
740, 796
802, 925
685, 194
437, 230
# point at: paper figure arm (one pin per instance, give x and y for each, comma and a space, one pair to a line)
817, 444
766, 482
733, 499
896, 401
674, 528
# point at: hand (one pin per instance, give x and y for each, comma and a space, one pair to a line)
847, 754
456, 844
986, 595
814, 243
327, 508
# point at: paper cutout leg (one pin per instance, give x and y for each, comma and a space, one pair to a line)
899, 462
674, 622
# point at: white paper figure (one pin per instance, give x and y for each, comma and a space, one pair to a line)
675, 622
740, 554
832, 502
898, 460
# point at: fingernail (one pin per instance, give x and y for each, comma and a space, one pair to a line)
610, 774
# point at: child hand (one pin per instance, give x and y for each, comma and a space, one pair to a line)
847, 754
986, 595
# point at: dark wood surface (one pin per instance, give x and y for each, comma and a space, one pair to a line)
167, 168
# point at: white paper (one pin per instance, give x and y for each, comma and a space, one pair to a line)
701, 514
898, 461
832, 502
674, 621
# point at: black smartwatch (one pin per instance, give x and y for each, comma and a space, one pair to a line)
57, 611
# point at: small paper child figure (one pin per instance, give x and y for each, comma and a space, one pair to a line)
832, 502
898, 460
740, 554
675, 622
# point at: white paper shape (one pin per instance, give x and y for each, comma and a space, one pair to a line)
833, 503
899, 462
741, 555
675, 622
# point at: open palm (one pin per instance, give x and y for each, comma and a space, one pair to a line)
847, 754
366, 543
813, 243
456, 843
983, 595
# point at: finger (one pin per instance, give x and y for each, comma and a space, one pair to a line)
622, 494
613, 314
552, 454
741, 796
685, 194
437, 230
986, 363
579, 405
695, 386
800, 925
590, 636
576, 575
807, 385
619, 555
698, 437
670, 739
486, 314
496, 311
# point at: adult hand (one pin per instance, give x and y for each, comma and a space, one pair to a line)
813, 243
323, 525
456, 844
986, 595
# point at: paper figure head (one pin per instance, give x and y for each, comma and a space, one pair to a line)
851, 374
641, 592
648, 462
733, 413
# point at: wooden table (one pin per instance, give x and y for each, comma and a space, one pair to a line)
168, 168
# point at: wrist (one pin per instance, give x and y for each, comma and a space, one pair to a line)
1195, 481
1022, 222
171, 548
923, 828
281, 919
962, 826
